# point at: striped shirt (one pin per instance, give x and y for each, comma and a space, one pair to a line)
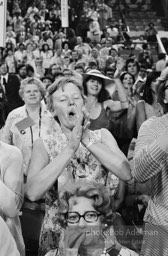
150, 161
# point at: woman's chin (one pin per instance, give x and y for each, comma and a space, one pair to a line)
70, 124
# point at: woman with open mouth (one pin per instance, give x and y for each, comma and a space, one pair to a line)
71, 153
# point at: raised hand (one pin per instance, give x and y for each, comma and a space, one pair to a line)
76, 135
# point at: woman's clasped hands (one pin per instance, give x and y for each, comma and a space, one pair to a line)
80, 133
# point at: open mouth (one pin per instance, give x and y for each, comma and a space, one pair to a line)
95, 88
72, 114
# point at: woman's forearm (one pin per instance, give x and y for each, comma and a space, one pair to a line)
113, 160
38, 184
10, 201
121, 94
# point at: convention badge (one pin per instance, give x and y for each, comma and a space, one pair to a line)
24, 124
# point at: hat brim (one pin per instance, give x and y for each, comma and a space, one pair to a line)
107, 80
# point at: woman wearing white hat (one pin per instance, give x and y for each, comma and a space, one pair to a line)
98, 88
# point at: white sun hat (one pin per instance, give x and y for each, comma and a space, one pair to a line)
97, 73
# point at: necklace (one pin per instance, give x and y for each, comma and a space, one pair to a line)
31, 130
104, 253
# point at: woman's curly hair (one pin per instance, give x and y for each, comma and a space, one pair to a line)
91, 190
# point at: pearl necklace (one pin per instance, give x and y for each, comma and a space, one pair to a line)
104, 253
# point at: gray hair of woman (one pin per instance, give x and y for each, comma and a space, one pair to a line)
60, 83
32, 80
91, 190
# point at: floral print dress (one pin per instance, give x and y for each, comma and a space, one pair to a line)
82, 165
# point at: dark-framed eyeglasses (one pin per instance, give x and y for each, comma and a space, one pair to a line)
89, 216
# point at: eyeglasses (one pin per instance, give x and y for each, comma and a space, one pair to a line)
74, 217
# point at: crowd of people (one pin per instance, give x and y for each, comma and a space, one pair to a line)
83, 148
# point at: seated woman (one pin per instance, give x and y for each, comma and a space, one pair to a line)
71, 153
11, 191
85, 213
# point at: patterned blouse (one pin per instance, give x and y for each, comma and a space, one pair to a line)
82, 165
24, 140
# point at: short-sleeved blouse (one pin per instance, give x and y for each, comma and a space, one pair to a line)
81, 166
23, 140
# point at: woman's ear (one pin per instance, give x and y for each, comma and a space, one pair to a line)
165, 101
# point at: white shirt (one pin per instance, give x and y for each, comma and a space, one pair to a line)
2, 84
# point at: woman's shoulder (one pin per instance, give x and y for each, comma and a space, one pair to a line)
10, 152
154, 124
17, 112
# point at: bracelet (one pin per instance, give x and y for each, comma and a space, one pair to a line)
88, 145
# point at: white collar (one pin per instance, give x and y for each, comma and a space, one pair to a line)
6, 76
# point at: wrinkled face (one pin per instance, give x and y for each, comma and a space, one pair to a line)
32, 94
127, 82
68, 103
132, 68
94, 85
82, 205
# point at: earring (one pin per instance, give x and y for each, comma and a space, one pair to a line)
165, 101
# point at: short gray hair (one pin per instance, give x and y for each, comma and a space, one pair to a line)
61, 82
32, 80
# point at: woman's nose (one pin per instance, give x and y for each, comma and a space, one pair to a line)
82, 222
71, 102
